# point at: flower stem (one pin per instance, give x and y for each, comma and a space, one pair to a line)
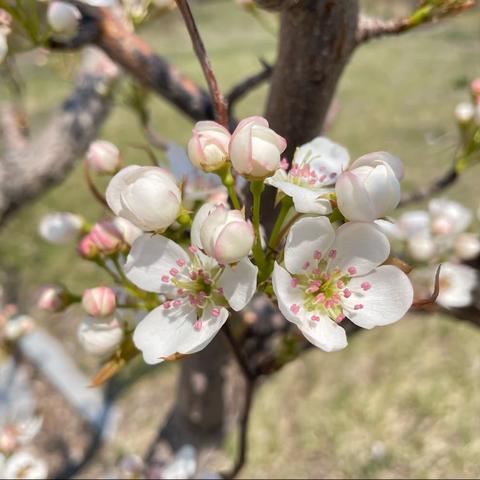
286, 205
257, 187
227, 179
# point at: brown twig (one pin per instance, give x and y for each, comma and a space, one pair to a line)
433, 297
219, 104
91, 186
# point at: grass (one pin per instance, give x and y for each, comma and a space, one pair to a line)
401, 401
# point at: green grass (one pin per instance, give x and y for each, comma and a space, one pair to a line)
414, 386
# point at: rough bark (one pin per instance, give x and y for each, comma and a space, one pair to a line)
316, 41
45, 160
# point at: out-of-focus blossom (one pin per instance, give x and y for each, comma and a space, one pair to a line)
414, 223
448, 217
315, 169
146, 196
99, 301
475, 87
184, 465
467, 246
60, 227
106, 237
17, 326
100, 337
224, 234
104, 157
23, 465
129, 231
53, 298
330, 275
464, 113
3, 47
255, 149
421, 247
208, 147
370, 189
63, 18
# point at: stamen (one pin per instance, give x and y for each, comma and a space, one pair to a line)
366, 286
358, 306
317, 255
340, 284
294, 308
294, 282
215, 312
340, 317
320, 297
315, 318
332, 253
180, 292
306, 265
329, 303
197, 325
220, 290
192, 249
177, 303
173, 272
180, 262
347, 293
166, 305
165, 278
352, 270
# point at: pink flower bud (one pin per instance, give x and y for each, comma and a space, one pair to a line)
208, 147
63, 18
53, 298
99, 301
106, 237
226, 235
255, 150
104, 157
475, 87
87, 248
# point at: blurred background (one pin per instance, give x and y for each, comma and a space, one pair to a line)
401, 401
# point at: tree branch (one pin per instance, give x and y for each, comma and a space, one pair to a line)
370, 28
103, 28
47, 158
220, 107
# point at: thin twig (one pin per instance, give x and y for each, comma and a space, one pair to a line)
248, 84
433, 297
91, 186
241, 360
219, 104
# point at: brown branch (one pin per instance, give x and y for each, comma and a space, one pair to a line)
220, 107
103, 28
49, 156
427, 191
13, 126
247, 85
370, 28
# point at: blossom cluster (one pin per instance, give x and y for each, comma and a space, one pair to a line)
187, 264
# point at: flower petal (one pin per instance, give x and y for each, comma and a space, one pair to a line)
201, 215
164, 332
457, 283
117, 185
388, 298
150, 259
324, 333
306, 237
239, 283
286, 294
359, 245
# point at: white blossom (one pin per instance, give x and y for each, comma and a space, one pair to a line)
100, 337
330, 275
60, 227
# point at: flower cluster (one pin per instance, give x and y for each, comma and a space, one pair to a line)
323, 261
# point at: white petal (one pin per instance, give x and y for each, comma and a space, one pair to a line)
414, 222
201, 215
307, 236
376, 158
239, 283
353, 199
324, 333
360, 245
150, 258
117, 185
164, 332
386, 301
286, 294
456, 285
307, 200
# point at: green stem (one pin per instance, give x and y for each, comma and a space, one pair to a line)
286, 205
227, 179
257, 187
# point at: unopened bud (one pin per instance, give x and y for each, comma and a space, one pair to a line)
64, 18
53, 298
100, 337
60, 227
99, 301
467, 246
106, 237
87, 248
104, 157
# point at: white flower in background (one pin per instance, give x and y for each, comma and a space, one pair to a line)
23, 465
415, 222
63, 18
457, 283
100, 337
370, 189
467, 246
60, 228
222, 233
17, 326
128, 230
3, 47
255, 149
448, 217
19, 433
198, 290
104, 157
421, 247
464, 112
208, 147
99, 301
315, 169
53, 298
331, 275
184, 465
146, 196
100, 3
